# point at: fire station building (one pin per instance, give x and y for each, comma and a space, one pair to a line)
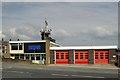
83, 55
37, 50
49, 52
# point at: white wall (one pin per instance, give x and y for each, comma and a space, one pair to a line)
16, 51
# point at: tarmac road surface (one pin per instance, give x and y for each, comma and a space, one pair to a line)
22, 70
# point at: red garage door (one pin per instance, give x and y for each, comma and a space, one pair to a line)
101, 57
81, 57
62, 57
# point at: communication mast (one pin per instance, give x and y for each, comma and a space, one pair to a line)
45, 33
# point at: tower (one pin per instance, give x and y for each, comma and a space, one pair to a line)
45, 33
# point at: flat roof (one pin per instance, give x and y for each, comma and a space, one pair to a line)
32, 42
55, 44
83, 47
26, 41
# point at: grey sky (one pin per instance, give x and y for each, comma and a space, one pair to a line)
81, 23
59, 0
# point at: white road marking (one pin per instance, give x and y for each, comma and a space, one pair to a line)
78, 76
87, 76
59, 75
18, 72
9, 67
27, 72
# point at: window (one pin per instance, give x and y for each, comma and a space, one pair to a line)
86, 55
96, 53
12, 54
20, 46
57, 55
22, 55
101, 56
96, 56
81, 56
106, 57
14, 46
76, 55
101, 53
81, 53
16, 56
106, 53
62, 55
37, 57
67, 56
27, 56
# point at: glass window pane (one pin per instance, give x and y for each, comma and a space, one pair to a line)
20, 47
81, 56
106, 56
96, 56
57, 56
86, 56
101, 53
76, 53
14, 46
101, 56
76, 56
62, 56
81, 53
67, 56
96, 53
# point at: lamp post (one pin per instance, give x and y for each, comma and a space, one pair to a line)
118, 60
34, 55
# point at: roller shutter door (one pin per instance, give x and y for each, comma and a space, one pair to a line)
101, 57
81, 57
62, 57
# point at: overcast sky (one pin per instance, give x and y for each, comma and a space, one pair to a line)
81, 23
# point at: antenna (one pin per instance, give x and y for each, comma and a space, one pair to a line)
45, 32
46, 23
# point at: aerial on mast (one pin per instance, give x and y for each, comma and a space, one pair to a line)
45, 33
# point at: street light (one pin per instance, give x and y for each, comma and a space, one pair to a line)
34, 55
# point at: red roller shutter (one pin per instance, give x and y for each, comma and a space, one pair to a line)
62, 57
81, 57
101, 57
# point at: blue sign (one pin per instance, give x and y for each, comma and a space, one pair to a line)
34, 47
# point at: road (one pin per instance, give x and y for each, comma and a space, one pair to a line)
44, 73
35, 71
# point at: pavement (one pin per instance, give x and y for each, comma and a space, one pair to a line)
24, 64
100, 66
93, 66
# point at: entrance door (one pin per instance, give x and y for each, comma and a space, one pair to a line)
101, 56
81, 57
62, 57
